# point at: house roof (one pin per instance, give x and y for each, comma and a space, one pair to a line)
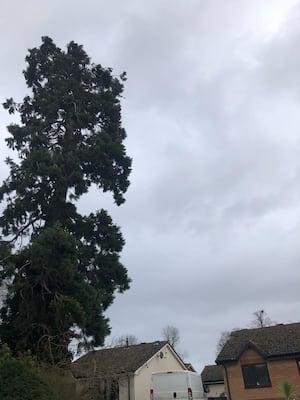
115, 360
212, 374
189, 367
279, 341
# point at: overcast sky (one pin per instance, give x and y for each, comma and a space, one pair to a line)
212, 113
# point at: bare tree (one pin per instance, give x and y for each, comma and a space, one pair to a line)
224, 336
261, 319
171, 334
124, 340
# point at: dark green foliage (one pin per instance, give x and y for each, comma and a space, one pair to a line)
18, 381
70, 137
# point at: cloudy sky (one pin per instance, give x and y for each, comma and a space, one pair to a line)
212, 113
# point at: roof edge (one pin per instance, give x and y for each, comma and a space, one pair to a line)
155, 355
249, 344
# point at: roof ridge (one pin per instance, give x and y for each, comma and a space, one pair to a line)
269, 341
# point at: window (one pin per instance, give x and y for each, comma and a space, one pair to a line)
256, 375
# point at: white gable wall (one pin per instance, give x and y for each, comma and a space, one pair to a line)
216, 390
142, 377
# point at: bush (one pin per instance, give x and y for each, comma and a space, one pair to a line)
20, 382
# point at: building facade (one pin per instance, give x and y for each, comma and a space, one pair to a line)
124, 373
213, 382
257, 361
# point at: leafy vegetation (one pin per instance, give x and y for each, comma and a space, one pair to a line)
19, 381
287, 390
62, 268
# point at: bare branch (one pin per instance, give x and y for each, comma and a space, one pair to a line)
171, 334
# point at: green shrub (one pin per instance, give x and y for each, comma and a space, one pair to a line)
19, 381
286, 388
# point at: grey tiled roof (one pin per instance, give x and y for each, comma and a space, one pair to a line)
116, 360
212, 373
272, 342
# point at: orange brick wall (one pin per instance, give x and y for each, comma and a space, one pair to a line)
278, 371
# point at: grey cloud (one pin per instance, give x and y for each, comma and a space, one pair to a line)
280, 61
212, 220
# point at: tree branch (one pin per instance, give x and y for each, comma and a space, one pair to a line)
31, 222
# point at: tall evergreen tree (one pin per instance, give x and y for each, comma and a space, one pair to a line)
62, 268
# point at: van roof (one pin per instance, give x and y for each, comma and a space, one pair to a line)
180, 371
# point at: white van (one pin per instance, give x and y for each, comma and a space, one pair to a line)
179, 385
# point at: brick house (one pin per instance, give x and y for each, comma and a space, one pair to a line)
256, 361
124, 373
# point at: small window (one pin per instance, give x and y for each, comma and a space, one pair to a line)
256, 375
